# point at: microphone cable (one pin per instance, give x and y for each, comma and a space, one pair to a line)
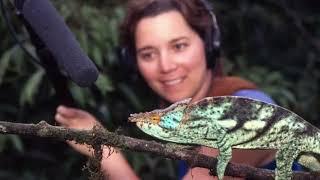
13, 33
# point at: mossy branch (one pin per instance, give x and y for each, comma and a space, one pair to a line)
99, 136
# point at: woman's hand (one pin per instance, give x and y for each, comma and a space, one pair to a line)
114, 166
76, 119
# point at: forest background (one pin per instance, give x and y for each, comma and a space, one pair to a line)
274, 43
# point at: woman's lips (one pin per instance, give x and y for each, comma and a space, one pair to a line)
173, 82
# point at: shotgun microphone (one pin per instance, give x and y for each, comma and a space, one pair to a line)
51, 29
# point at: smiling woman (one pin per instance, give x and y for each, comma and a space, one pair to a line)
172, 60
174, 45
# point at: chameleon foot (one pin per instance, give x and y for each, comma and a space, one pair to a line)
285, 160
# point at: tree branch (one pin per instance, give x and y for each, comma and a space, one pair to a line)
100, 136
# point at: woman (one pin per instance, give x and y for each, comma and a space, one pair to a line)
174, 45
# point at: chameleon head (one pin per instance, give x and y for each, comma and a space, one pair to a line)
147, 117
159, 122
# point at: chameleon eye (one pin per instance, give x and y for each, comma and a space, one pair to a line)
155, 119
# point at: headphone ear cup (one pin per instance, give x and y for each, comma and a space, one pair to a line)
126, 60
210, 58
127, 65
212, 54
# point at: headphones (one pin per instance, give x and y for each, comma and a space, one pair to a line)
211, 40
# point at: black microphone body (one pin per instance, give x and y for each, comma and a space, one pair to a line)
51, 29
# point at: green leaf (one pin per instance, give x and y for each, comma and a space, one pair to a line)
130, 95
97, 56
31, 87
114, 31
13, 139
104, 84
83, 39
16, 142
78, 94
81, 95
288, 95
3, 139
4, 63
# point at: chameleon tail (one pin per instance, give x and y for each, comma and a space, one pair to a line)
309, 161
316, 143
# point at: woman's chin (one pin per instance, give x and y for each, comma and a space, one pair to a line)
174, 98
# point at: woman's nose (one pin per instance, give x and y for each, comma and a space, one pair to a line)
167, 64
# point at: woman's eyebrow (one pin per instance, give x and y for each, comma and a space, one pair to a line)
144, 48
179, 39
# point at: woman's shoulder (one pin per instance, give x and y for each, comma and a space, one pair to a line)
254, 94
228, 85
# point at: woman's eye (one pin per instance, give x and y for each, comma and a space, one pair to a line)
180, 46
146, 56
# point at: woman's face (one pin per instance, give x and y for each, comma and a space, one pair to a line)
171, 57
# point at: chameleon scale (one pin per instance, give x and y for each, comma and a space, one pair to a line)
228, 122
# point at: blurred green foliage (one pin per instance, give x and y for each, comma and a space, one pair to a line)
275, 44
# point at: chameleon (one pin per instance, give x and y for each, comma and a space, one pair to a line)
227, 122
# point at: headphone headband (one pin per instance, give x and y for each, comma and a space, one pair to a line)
215, 31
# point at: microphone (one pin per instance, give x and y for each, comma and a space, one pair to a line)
51, 29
